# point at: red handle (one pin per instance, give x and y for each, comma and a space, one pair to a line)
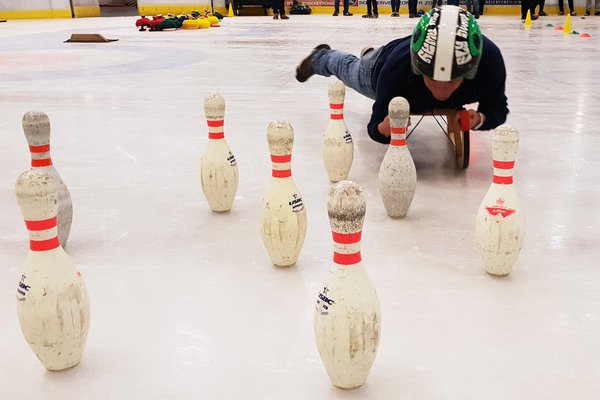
465, 121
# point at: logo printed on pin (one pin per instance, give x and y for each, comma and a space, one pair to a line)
499, 209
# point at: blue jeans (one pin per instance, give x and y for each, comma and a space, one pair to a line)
336, 6
356, 73
473, 6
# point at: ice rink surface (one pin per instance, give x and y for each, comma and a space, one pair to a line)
185, 302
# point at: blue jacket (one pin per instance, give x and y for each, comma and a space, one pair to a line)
392, 76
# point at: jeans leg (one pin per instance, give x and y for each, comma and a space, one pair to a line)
355, 72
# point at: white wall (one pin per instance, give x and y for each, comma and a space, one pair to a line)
85, 3
35, 5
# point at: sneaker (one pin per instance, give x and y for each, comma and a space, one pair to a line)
542, 14
283, 16
335, 14
561, 13
348, 14
367, 16
365, 50
587, 13
573, 14
275, 16
476, 16
534, 17
597, 13
305, 69
375, 15
411, 15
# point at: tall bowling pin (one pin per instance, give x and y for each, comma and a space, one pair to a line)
338, 148
52, 301
500, 224
218, 167
347, 313
283, 214
36, 126
397, 175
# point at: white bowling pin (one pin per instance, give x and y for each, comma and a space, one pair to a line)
218, 167
500, 224
283, 216
398, 175
52, 301
347, 314
338, 148
36, 126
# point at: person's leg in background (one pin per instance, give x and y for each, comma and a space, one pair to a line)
412, 8
541, 12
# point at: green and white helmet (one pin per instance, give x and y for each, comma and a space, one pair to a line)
446, 44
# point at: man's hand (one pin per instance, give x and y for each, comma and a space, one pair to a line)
384, 126
474, 119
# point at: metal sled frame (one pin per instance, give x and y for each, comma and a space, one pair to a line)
457, 133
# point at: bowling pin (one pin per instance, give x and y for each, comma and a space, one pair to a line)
283, 213
397, 175
52, 301
338, 148
36, 126
347, 313
218, 167
500, 224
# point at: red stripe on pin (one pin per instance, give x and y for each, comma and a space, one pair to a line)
398, 131
40, 149
44, 245
346, 238
44, 162
398, 142
503, 180
504, 164
215, 122
346, 259
282, 173
281, 159
41, 225
337, 116
336, 106
218, 135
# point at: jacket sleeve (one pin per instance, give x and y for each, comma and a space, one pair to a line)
494, 103
378, 115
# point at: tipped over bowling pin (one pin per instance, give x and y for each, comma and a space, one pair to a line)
397, 175
52, 301
500, 225
36, 126
338, 148
347, 314
283, 213
218, 167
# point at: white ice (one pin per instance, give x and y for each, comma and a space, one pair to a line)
185, 302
